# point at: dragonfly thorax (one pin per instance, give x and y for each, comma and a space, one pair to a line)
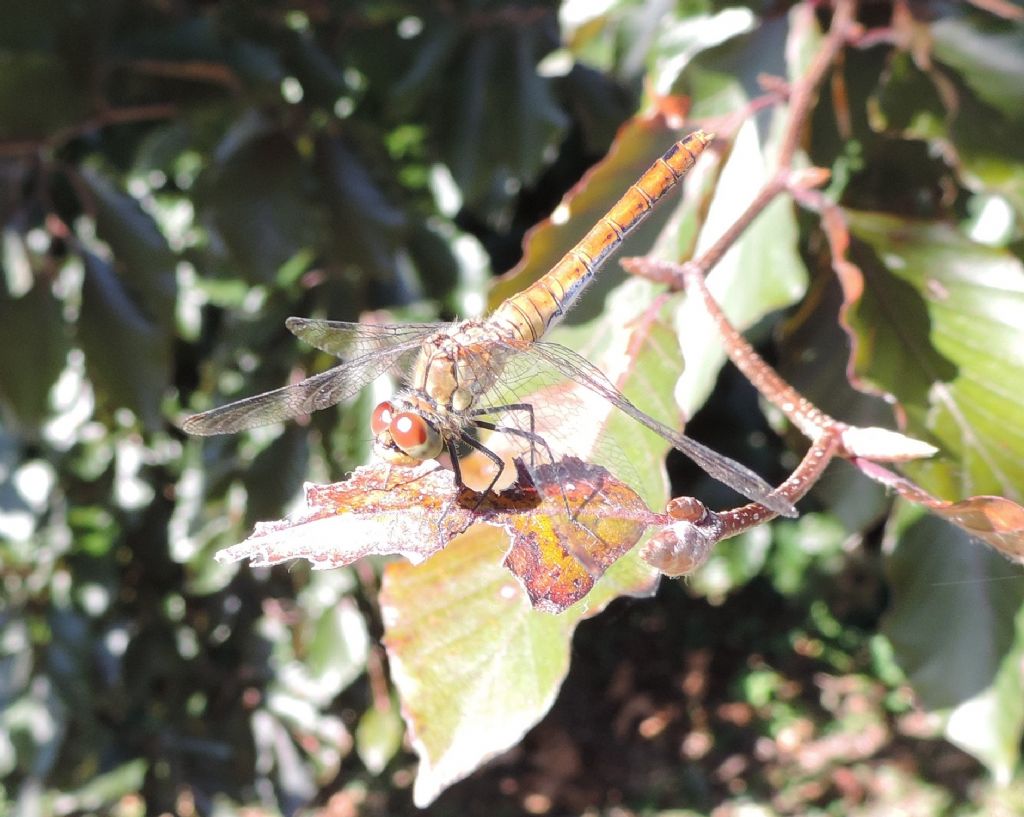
454, 368
459, 364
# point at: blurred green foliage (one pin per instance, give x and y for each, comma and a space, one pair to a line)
177, 178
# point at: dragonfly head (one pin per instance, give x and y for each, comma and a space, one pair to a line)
404, 435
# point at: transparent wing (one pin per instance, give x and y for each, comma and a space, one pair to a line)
725, 470
350, 341
312, 394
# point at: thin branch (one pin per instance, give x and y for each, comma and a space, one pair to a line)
710, 257
854, 441
214, 73
805, 90
111, 116
811, 420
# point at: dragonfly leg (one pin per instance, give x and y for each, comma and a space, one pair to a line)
453, 455
530, 435
536, 440
461, 484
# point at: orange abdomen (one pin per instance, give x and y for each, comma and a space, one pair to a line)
532, 311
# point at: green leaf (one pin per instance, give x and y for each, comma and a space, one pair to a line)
957, 625
940, 328
142, 256
763, 271
368, 231
974, 113
474, 664
680, 40
379, 737
254, 199
127, 353
126, 324
33, 349
492, 116
990, 58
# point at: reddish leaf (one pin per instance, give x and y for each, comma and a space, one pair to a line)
993, 519
567, 523
586, 522
378, 510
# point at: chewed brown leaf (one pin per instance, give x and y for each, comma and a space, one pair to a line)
379, 510
994, 519
585, 522
568, 522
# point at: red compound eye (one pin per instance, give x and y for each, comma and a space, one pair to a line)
409, 430
381, 418
415, 436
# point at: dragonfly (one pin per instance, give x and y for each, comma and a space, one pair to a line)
460, 376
